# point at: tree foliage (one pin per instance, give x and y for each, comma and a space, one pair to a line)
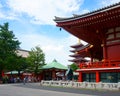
36, 59
20, 63
8, 45
74, 66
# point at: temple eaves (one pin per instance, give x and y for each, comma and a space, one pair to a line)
75, 17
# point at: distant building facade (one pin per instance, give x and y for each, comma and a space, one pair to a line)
23, 53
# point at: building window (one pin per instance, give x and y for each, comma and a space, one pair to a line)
113, 35
110, 36
117, 29
89, 77
119, 77
117, 35
110, 77
110, 31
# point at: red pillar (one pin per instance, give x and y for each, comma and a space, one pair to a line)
64, 77
80, 77
3, 74
97, 77
104, 50
53, 74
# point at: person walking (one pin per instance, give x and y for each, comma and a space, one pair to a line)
24, 80
69, 73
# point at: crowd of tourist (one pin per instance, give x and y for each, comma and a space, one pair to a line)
17, 79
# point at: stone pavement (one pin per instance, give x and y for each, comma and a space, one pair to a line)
34, 89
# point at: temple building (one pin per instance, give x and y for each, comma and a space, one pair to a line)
101, 30
53, 71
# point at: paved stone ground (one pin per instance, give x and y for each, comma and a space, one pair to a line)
34, 89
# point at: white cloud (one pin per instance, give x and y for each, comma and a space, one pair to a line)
108, 2
1, 5
50, 46
85, 11
42, 11
1, 15
9, 16
4, 14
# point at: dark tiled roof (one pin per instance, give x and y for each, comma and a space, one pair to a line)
78, 59
83, 47
59, 19
76, 45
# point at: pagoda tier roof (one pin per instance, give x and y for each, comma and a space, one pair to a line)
83, 47
77, 45
75, 55
79, 60
72, 51
54, 65
81, 54
76, 16
81, 51
91, 27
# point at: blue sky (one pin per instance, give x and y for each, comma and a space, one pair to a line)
33, 25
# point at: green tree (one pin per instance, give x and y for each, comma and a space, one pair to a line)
36, 59
20, 63
8, 46
74, 66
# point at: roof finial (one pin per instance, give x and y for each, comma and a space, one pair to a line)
75, 15
79, 41
54, 60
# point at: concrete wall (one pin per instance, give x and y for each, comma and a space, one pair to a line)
87, 85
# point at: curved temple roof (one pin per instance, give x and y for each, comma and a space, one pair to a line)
54, 65
92, 25
75, 16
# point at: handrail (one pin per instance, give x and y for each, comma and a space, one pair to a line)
100, 64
